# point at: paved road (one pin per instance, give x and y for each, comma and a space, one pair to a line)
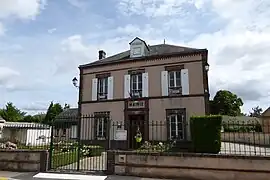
54, 176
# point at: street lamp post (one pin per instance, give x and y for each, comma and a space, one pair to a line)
75, 84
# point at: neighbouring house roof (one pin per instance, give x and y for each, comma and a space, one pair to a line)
26, 125
68, 115
155, 50
266, 112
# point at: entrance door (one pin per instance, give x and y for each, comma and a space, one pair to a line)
137, 123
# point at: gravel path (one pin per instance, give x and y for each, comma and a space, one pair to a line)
97, 163
242, 149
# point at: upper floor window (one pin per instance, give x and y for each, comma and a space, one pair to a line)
137, 51
136, 84
174, 78
102, 88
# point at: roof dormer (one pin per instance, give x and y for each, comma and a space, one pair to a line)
138, 48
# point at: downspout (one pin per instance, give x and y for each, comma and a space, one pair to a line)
205, 82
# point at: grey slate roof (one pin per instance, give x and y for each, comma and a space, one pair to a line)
160, 49
70, 114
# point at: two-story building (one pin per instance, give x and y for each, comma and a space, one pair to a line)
141, 86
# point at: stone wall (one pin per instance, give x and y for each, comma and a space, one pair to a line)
188, 166
262, 139
23, 160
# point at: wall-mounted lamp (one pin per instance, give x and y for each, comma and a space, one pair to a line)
75, 82
206, 67
119, 126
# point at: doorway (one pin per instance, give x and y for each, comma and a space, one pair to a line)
136, 124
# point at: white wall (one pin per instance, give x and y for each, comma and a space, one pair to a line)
11, 134
34, 137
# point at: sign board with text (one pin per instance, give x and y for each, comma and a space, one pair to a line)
120, 135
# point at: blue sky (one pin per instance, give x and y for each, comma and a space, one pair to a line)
42, 42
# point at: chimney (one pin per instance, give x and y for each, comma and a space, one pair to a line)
101, 54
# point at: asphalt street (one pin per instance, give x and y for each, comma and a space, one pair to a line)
53, 176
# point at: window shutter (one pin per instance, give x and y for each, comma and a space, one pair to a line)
94, 89
185, 82
145, 84
110, 88
164, 83
126, 86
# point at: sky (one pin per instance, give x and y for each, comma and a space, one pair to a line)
42, 43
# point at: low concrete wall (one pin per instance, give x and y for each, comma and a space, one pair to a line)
189, 166
262, 139
23, 160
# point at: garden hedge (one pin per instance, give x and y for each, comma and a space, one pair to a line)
206, 133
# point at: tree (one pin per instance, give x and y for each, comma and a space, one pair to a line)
38, 118
11, 113
226, 103
52, 112
256, 112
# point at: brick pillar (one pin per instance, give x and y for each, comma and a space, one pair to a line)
110, 162
44, 161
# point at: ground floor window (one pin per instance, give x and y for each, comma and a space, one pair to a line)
176, 125
101, 121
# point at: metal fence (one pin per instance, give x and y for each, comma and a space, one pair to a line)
80, 144
247, 138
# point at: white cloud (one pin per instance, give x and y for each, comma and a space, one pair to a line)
239, 53
153, 8
26, 9
78, 3
7, 75
238, 42
50, 31
2, 29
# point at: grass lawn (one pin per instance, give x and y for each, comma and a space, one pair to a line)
64, 158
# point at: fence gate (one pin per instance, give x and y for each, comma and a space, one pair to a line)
80, 144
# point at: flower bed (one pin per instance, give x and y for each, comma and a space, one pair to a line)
156, 147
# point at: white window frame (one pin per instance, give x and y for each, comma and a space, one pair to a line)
135, 52
101, 120
174, 89
105, 83
176, 126
137, 83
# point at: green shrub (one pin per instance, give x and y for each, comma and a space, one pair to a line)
206, 134
241, 127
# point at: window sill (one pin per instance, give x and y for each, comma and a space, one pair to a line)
101, 138
176, 94
103, 99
